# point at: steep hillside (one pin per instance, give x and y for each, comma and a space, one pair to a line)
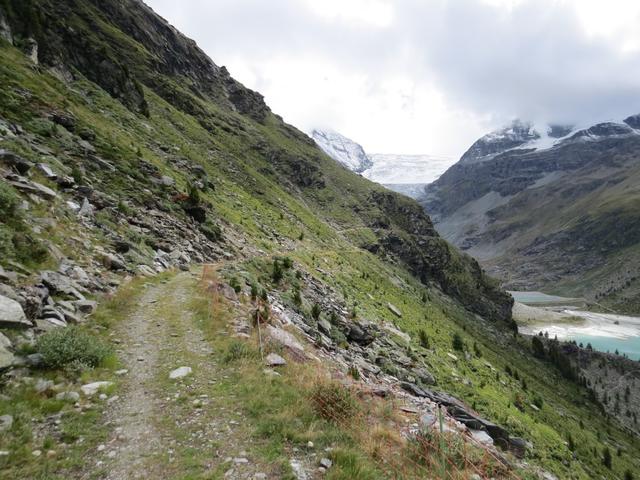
241, 141
556, 210
126, 152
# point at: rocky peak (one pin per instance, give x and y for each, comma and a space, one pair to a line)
606, 129
342, 149
633, 121
498, 141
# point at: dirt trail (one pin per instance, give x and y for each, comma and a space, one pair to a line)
160, 427
135, 436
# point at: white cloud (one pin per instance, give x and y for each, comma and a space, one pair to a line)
424, 76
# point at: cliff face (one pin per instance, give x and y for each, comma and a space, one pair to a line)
552, 212
142, 49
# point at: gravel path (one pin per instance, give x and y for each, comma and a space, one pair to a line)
157, 423
134, 434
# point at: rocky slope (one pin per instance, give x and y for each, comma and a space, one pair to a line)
127, 152
405, 174
552, 207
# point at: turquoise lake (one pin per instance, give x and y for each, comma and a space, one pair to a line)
605, 332
537, 297
630, 346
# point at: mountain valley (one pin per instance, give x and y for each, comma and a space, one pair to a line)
405, 174
191, 288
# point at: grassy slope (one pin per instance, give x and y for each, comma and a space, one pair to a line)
268, 214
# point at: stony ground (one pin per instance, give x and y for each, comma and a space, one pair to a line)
171, 428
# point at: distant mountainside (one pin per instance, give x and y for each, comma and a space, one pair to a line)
556, 208
406, 174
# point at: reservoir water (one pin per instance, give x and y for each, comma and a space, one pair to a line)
605, 332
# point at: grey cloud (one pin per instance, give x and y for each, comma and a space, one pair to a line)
534, 62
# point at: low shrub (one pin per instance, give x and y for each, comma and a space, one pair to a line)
9, 201
456, 342
71, 346
277, 274
238, 351
334, 402
316, 311
211, 231
424, 338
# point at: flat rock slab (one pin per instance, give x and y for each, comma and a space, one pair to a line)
11, 314
285, 339
482, 437
180, 372
395, 310
92, 388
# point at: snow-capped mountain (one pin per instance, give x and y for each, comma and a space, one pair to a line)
549, 206
406, 174
528, 137
342, 149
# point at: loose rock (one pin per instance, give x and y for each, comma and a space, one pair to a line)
180, 373
275, 360
92, 388
11, 314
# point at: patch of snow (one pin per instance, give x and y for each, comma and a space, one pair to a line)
395, 169
342, 149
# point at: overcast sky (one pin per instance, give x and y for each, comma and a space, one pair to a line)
424, 76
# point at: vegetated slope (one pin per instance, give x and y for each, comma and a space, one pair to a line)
159, 158
555, 211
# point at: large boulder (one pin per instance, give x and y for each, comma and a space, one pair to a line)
424, 376
65, 120
21, 165
60, 283
359, 333
11, 314
113, 262
32, 299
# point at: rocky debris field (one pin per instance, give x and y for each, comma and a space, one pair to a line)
376, 357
